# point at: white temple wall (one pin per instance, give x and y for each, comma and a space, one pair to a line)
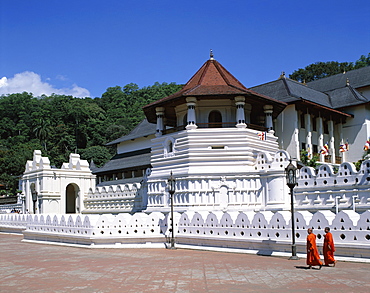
357, 131
288, 131
208, 151
134, 145
261, 188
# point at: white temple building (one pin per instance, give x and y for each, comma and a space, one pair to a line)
227, 147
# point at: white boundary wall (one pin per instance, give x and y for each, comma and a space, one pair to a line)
323, 189
266, 232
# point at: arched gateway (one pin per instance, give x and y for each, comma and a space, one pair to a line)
72, 199
50, 190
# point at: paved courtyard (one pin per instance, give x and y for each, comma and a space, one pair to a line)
30, 267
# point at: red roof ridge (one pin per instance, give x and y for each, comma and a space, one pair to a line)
203, 73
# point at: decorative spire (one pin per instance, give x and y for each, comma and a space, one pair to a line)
282, 75
211, 55
347, 81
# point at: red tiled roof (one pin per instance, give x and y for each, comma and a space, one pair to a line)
211, 80
212, 73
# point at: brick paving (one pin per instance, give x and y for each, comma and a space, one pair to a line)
31, 267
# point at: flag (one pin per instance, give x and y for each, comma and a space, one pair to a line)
367, 144
309, 152
262, 135
344, 147
325, 149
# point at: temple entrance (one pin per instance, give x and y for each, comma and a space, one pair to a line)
72, 199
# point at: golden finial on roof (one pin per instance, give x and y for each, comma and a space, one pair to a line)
282, 75
211, 55
347, 81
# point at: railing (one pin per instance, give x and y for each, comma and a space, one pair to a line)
215, 125
338, 160
8, 199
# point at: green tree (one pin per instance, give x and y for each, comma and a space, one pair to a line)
320, 70
41, 130
60, 124
324, 69
307, 161
363, 61
99, 154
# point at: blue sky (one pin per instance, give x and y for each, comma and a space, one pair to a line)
82, 47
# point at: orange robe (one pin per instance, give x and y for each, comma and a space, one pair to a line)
328, 249
313, 257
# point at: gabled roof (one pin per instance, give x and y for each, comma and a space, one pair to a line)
288, 90
345, 97
211, 81
291, 91
144, 128
357, 78
120, 164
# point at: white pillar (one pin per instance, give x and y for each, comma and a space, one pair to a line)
191, 123
296, 138
159, 111
341, 141
240, 115
268, 109
23, 197
38, 203
308, 134
29, 203
320, 137
331, 143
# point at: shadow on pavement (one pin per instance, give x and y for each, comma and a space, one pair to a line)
302, 267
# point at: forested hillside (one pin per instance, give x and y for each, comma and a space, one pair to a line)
58, 125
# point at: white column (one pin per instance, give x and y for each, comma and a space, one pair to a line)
38, 203
331, 143
268, 109
159, 111
340, 130
240, 115
308, 135
29, 202
191, 103
24, 192
320, 137
296, 137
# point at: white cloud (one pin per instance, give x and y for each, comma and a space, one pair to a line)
31, 82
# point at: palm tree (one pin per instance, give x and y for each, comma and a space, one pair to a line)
41, 130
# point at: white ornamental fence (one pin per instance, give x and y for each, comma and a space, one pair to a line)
265, 232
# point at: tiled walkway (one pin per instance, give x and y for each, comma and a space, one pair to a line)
29, 267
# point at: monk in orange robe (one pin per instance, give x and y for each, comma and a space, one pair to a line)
329, 248
313, 257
